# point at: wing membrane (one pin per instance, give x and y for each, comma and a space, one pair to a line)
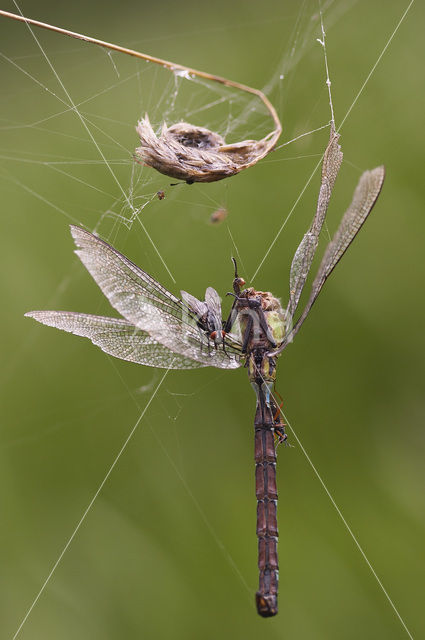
304, 255
147, 304
122, 282
365, 196
212, 300
198, 307
117, 337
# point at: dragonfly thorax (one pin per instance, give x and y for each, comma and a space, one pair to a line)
262, 319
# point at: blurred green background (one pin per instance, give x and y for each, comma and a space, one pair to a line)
169, 548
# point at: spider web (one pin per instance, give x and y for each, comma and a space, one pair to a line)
97, 111
81, 166
119, 92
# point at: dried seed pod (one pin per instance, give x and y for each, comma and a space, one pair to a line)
196, 154
184, 151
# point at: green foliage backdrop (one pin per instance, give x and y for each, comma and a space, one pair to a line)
169, 549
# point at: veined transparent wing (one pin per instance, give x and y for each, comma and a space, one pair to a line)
125, 285
304, 255
148, 305
365, 196
117, 337
213, 302
196, 306
208, 313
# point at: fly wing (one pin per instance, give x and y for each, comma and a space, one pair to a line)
117, 337
145, 303
365, 196
213, 302
199, 308
304, 255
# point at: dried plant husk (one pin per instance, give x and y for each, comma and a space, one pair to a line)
184, 151
195, 154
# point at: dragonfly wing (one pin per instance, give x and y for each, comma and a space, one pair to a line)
304, 255
117, 337
192, 342
128, 288
365, 196
145, 303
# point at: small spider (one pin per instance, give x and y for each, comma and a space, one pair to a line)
219, 215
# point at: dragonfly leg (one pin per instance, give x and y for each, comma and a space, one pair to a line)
279, 425
265, 327
232, 316
247, 334
237, 282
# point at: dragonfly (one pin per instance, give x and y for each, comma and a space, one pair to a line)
158, 329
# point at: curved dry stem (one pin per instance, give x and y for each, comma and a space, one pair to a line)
201, 161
